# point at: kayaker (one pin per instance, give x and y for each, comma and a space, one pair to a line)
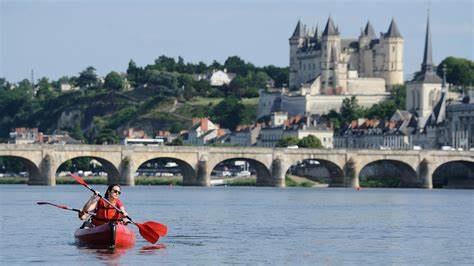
103, 211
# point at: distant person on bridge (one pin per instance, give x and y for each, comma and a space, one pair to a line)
104, 213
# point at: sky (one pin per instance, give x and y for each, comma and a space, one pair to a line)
63, 37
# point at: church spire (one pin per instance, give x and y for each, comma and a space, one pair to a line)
427, 64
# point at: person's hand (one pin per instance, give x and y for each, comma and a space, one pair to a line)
126, 221
81, 214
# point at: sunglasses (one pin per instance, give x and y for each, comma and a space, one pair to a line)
117, 191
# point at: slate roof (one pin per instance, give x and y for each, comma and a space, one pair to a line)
393, 31
369, 30
330, 29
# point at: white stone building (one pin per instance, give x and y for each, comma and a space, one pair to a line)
339, 63
202, 132
217, 78
325, 69
298, 127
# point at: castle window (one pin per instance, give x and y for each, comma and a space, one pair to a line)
393, 48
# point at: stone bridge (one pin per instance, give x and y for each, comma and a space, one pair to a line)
196, 163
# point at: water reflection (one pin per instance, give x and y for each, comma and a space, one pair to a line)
109, 256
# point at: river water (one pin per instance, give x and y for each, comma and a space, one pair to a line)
212, 226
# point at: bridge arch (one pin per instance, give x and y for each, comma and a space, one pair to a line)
26, 164
389, 173
319, 170
263, 174
454, 174
185, 169
113, 173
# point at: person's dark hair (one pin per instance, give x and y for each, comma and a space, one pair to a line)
109, 188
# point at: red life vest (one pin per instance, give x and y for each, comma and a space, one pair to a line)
104, 212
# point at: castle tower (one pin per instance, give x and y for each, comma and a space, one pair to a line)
330, 40
366, 58
392, 69
335, 69
424, 91
296, 40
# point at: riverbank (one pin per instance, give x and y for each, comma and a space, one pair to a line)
291, 181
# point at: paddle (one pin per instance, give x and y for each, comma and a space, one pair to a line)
62, 207
149, 230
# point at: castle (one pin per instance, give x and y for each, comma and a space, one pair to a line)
325, 69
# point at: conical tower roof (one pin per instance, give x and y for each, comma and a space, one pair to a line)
330, 29
369, 30
298, 32
393, 30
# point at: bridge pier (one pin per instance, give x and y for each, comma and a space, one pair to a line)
351, 174
127, 174
46, 175
425, 174
202, 177
276, 178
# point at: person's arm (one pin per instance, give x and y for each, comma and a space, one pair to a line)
124, 213
90, 205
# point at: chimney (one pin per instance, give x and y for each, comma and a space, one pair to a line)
204, 124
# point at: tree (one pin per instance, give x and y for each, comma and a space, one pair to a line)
107, 136
45, 89
399, 93
350, 109
88, 78
4, 84
287, 141
165, 63
113, 81
459, 71
310, 141
280, 75
228, 112
236, 65
76, 132
135, 75
176, 142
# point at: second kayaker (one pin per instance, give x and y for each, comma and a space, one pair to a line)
103, 211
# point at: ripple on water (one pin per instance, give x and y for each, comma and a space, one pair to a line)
251, 226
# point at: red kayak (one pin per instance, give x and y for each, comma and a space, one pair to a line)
109, 235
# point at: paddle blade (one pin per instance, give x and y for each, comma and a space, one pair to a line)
148, 233
160, 229
79, 180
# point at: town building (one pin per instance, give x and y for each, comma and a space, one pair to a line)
202, 132
217, 78
34, 136
245, 135
298, 127
24, 135
459, 127
430, 122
